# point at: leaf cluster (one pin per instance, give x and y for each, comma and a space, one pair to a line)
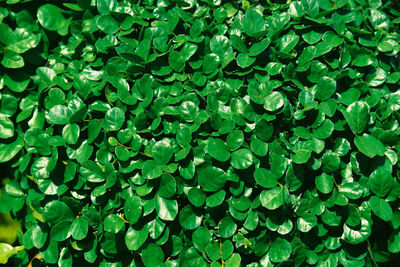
201, 132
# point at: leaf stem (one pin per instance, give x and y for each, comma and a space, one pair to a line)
370, 253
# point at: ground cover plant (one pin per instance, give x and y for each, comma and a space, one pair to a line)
201, 132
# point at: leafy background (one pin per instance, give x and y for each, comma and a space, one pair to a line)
196, 133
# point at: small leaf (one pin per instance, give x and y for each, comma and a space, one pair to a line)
273, 101
242, 159
176, 61
113, 120
162, 151
217, 149
166, 209
6, 128
325, 88
324, 183
273, 198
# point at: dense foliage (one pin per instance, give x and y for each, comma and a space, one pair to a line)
201, 132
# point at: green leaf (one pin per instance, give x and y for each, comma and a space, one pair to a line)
242, 159
259, 147
273, 198
6, 127
133, 209
167, 186
363, 59
244, 60
381, 181
176, 61
71, 133
312, 37
18, 81
51, 17
325, 130
215, 199
59, 114
189, 219
259, 47
166, 209
324, 183
152, 255
288, 42
234, 140
57, 211
369, 145
211, 63
113, 223
220, 45
358, 235
107, 24
381, 208
376, 77
357, 116
92, 172
280, 250
151, 169
113, 120
265, 178
306, 222
201, 238
325, 88
196, 197
184, 136
211, 185
307, 55
79, 228
134, 239
259, 92
311, 7
264, 130
394, 242
273, 101
234, 261
351, 190
105, 6
162, 151
253, 23
227, 227
217, 149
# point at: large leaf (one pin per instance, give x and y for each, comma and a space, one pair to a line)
369, 145
381, 208
357, 116
9, 151
272, 198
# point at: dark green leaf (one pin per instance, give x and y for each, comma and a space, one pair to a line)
369, 145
